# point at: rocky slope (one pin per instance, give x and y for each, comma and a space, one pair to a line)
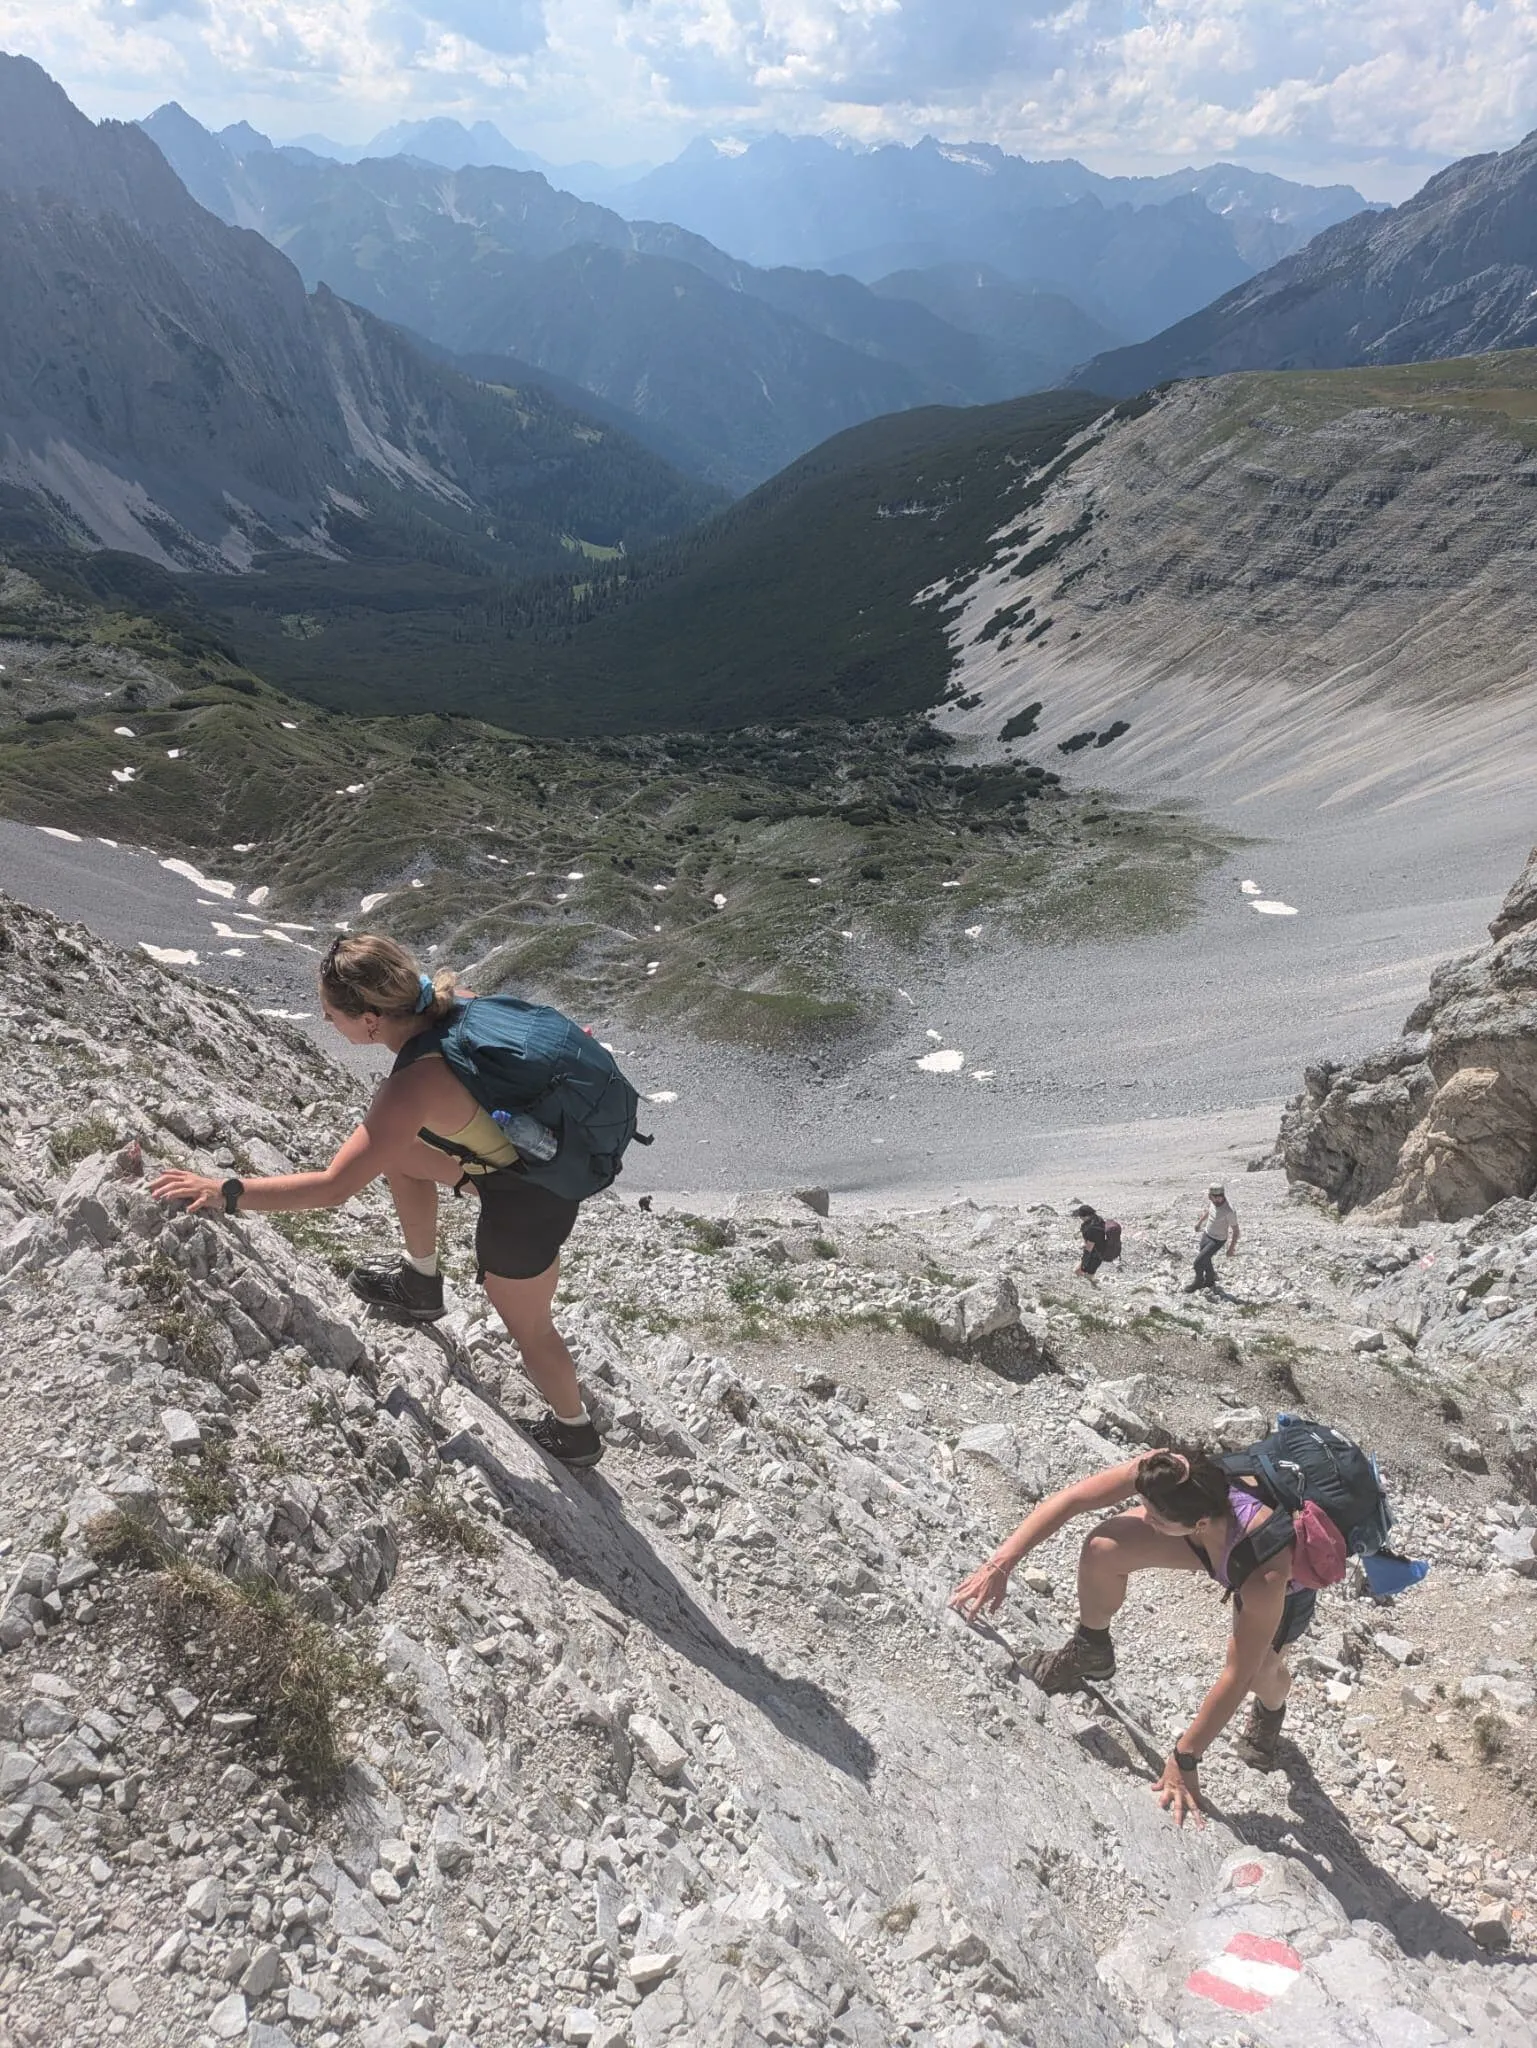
168, 389
1312, 590
1451, 272
1444, 1122
330, 1713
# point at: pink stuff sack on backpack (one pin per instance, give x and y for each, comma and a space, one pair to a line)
1318, 1555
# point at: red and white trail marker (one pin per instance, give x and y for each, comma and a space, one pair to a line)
1251, 1973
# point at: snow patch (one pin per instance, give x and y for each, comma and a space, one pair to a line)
947, 1062
58, 832
372, 902
259, 896
189, 873
169, 956
1269, 907
663, 1095
124, 732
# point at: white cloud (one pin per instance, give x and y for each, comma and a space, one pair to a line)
1382, 89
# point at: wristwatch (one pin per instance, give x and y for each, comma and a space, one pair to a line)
231, 1190
1185, 1762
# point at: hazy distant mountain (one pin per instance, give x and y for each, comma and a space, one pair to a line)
167, 388
744, 368
454, 146
1135, 251
1451, 272
1040, 331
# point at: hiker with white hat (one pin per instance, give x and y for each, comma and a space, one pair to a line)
1218, 1231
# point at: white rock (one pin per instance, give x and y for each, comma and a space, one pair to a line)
1490, 1925
183, 1432
1367, 1340
227, 2021
662, 1754
650, 1968
1399, 1650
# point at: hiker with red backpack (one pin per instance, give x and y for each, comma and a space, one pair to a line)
1101, 1241
1271, 1525
506, 1098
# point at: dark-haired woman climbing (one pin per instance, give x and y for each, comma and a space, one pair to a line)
424, 1130
1189, 1516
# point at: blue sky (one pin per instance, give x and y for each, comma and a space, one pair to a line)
1379, 92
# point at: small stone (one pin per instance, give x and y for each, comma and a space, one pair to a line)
663, 1756
183, 1704
384, 1888
303, 2004
123, 1997
397, 1859
79, 1962
171, 1951
49, 1686
1490, 1925
1467, 1452
205, 1900
263, 1973
818, 1200
227, 2021
1514, 1548
183, 1432
1367, 1340
581, 2024
450, 1851
645, 1971
1398, 1650
232, 1724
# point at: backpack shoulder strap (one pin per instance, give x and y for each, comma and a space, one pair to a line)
426, 1042
1258, 1547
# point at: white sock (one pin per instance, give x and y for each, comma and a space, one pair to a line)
576, 1420
426, 1267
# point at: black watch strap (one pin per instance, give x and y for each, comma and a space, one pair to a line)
231, 1190
1184, 1761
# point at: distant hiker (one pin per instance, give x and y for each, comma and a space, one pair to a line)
1270, 1524
1101, 1240
1216, 1231
471, 1075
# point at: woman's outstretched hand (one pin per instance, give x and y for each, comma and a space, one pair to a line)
196, 1190
983, 1592
1179, 1793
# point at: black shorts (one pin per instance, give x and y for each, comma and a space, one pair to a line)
1296, 1615
521, 1227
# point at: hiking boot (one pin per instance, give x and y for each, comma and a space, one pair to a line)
1261, 1737
1067, 1668
401, 1290
573, 1443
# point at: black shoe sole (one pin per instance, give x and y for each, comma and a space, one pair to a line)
398, 1312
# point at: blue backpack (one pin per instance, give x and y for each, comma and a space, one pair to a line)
513, 1055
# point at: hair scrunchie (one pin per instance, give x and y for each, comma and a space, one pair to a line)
424, 1000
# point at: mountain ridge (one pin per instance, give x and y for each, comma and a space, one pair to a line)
167, 385
1450, 272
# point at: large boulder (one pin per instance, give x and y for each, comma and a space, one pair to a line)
1444, 1123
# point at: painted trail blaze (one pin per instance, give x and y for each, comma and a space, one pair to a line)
1251, 1973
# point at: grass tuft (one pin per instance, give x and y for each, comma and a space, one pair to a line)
78, 1141
252, 1652
446, 1526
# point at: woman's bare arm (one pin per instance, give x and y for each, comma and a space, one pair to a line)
983, 1592
374, 1147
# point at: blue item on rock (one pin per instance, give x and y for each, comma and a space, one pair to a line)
1388, 1574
